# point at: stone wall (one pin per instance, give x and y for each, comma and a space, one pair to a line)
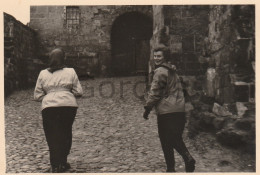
88, 49
230, 51
227, 106
213, 48
182, 28
20, 69
158, 26
216, 44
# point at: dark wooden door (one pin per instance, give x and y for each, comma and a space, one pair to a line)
123, 63
141, 55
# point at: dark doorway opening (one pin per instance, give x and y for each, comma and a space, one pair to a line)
130, 44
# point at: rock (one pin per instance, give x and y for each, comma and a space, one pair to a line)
232, 137
231, 107
220, 110
218, 122
206, 107
251, 110
188, 107
207, 100
224, 163
208, 118
210, 88
244, 124
112, 169
241, 109
195, 97
201, 106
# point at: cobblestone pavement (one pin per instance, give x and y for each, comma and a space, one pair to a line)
109, 135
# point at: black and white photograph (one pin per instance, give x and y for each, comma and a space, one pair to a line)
129, 88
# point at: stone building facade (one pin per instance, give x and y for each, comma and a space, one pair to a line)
230, 48
102, 40
213, 46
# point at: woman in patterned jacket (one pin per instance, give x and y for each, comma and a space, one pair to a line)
166, 95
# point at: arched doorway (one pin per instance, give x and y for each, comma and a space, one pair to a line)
130, 44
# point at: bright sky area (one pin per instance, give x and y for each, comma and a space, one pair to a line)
18, 9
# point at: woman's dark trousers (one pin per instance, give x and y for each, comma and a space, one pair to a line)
170, 129
57, 125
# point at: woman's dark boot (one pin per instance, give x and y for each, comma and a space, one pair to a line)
64, 167
55, 169
189, 162
170, 170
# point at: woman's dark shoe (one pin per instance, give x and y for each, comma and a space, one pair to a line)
55, 170
64, 167
67, 166
190, 164
170, 170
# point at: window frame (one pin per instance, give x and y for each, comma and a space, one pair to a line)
72, 17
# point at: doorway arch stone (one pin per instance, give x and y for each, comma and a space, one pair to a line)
130, 43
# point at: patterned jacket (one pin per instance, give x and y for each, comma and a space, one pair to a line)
166, 93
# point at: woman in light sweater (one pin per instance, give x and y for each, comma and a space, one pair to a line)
57, 88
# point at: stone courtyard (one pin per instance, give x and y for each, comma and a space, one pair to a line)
109, 135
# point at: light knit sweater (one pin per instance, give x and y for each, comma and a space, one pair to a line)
59, 88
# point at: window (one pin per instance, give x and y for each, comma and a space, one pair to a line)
72, 17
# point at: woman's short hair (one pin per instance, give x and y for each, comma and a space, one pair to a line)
165, 50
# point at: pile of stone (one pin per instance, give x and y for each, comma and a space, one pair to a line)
232, 124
